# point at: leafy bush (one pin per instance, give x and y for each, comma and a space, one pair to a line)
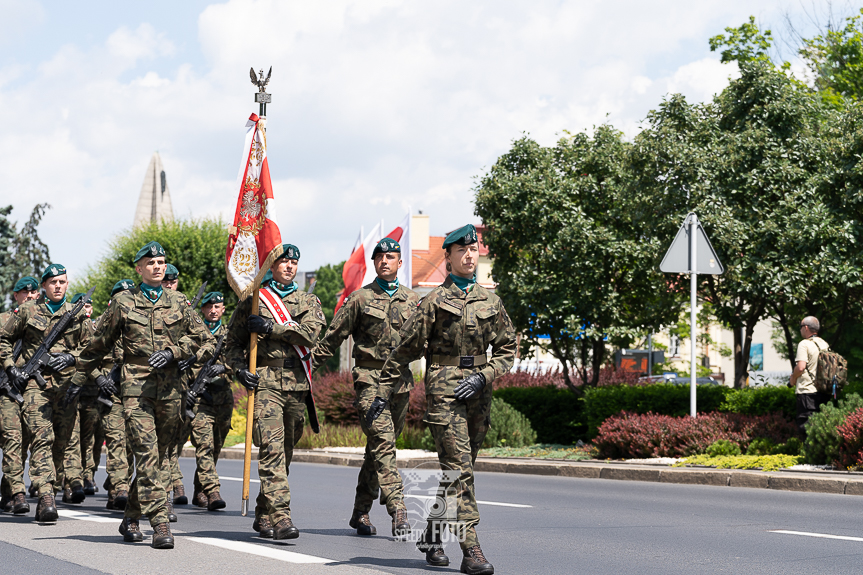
723, 447
851, 441
761, 401
555, 413
631, 435
332, 436
763, 462
334, 396
821, 446
759, 446
508, 427
603, 402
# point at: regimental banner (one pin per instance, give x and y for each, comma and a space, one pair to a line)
254, 240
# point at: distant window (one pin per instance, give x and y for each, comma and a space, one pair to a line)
674, 346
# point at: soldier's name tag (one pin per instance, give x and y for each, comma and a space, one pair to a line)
453, 306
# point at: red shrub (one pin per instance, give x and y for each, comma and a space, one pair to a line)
334, 396
608, 375
630, 435
851, 441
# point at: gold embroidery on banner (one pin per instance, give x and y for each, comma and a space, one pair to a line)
244, 260
253, 212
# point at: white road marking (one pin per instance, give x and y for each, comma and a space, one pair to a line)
72, 514
820, 535
268, 551
497, 503
239, 479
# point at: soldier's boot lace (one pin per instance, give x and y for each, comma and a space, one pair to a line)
433, 549
180, 495
19, 504
67, 496
475, 563
401, 527
46, 510
199, 499
264, 527
172, 517
362, 523
162, 538
285, 529
215, 501
131, 531
121, 498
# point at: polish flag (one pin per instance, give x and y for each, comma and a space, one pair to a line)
356, 267
254, 240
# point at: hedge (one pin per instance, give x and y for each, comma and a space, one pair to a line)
555, 414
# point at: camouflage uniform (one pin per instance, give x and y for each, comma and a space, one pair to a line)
279, 414
374, 318
455, 328
49, 424
11, 438
151, 397
210, 427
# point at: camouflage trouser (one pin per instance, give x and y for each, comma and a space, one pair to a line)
12, 443
90, 413
38, 414
209, 430
176, 450
278, 427
72, 456
379, 470
151, 426
459, 428
118, 450
64, 419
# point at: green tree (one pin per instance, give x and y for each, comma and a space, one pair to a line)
570, 262
22, 252
835, 59
196, 247
328, 288
743, 44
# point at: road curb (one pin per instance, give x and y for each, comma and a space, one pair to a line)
833, 482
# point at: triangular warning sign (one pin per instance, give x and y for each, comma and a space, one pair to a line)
677, 258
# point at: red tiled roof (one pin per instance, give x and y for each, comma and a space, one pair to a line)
429, 266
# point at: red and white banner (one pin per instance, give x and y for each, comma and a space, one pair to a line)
281, 314
402, 234
255, 240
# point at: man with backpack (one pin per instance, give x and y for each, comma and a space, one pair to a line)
803, 378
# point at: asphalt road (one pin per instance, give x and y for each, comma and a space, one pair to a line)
531, 524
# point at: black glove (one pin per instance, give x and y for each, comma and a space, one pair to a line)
185, 364
60, 361
469, 386
72, 393
248, 379
17, 378
216, 370
258, 324
191, 400
160, 359
376, 409
106, 385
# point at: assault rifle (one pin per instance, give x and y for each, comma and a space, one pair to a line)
194, 303
199, 386
6, 387
39, 360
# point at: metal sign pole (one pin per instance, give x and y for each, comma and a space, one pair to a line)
693, 279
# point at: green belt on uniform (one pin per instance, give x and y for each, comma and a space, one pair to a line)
370, 363
463, 361
289, 362
137, 361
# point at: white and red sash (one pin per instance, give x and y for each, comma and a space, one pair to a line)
281, 314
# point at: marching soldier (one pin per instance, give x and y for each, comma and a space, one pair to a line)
11, 420
212, 420
48, 417
282, 382
155, 329
373, 315
455, 325
171, 281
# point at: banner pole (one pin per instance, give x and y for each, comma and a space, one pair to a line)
250, 409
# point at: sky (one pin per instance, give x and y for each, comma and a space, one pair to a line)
378, 106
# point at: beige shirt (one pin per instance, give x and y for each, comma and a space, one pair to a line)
808, 350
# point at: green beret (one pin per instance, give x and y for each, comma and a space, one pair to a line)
171, 273
78, 296
386, 245
268, 277
463, 236
213, 297
151, 249
52, 271
291, 252
122, 285
27, 282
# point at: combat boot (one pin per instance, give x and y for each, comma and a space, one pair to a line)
162, 538
199, 499
131, 531
110, 503
90, 487
361, 522
401, 527
215, 501
33, 492
285, 529
172, 517
263, 527
6, 503
433, 550
46, 510
77, 494
475, 563
180, 495
19, 504
121, 498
